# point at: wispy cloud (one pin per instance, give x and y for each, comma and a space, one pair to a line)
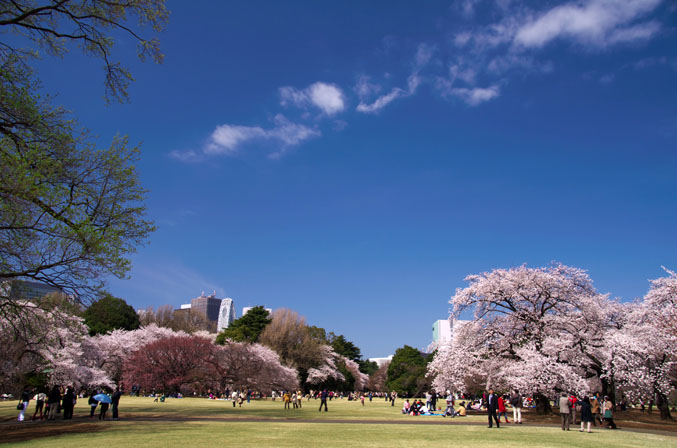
473, 96
596, 22
167, 282
365, 89
329, 98
227, 139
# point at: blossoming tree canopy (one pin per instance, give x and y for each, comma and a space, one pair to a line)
538, 329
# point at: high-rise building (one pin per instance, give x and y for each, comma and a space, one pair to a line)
208, 306
25, 290
246, 309
226, 314
441, 332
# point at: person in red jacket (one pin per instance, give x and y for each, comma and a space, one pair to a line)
501, 410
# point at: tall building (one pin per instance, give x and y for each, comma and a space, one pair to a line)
25, 290
226, 313
442, 332
208, 306
381, 361
246, 309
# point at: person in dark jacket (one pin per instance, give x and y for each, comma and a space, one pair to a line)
53, 400
116, 401
68, 403
323, 400
586, 413
92, 404
23, 402
492, 407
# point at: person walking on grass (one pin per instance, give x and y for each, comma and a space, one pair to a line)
23, 403
501, 409
586, 413
516, 402
323, 400
40, 399
564, 411
233, 397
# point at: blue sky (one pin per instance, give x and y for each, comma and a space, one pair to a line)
354, 161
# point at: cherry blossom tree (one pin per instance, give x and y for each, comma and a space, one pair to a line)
538, 329
244, 364
47, 342
327, 370
642, 356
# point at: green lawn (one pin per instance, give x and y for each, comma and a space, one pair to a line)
199, 407
137, 428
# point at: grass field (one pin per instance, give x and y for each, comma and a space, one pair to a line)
201, 422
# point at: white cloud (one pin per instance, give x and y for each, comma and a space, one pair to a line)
595, 22
328, 98
381, 101
424, 54
467, 7
226, 139
189, 156
461, 39
364, 88
475, 96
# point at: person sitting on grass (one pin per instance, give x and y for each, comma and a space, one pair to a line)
406, 408
461, 412
415, 408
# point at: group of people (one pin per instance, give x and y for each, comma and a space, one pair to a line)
49, 405
496, 407
294, 398
590, 410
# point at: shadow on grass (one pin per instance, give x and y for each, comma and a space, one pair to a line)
28, 431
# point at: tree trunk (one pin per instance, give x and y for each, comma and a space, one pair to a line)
609, 389
650, 407
542, 404
663, 406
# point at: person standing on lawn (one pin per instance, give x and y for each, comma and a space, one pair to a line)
492, 406
40, 398
586, 413
115, 399
609, 413
516, 402
564, 411
53, 400
92, 404
595, 408
323, 400
68, 403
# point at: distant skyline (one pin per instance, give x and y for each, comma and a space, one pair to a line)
354, 161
